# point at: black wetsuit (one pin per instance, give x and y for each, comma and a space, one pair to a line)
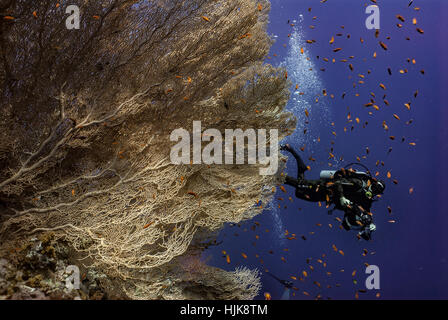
309, 190
345, 183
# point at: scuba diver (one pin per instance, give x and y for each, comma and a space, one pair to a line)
287, 284
350, 191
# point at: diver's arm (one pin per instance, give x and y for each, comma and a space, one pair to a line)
345, 203
339, 193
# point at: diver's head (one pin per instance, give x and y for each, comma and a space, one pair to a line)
378, 187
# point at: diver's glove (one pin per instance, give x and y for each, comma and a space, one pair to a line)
366, 234
345, 202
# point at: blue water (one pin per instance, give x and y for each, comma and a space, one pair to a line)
412, 253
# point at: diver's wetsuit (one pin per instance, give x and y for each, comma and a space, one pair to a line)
345, 184
352, 185
310, 190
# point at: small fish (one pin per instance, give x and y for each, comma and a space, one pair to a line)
193, 194
147, 225
399, 17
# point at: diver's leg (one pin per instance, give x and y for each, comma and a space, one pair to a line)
303, 191
301, 167
291, 181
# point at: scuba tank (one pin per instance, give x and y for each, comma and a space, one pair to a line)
327, 174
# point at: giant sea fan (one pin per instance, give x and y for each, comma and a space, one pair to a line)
86, 120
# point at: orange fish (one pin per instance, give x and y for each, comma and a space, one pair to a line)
399, 17
192, 193
148, 225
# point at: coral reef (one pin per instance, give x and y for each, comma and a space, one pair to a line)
85, 143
